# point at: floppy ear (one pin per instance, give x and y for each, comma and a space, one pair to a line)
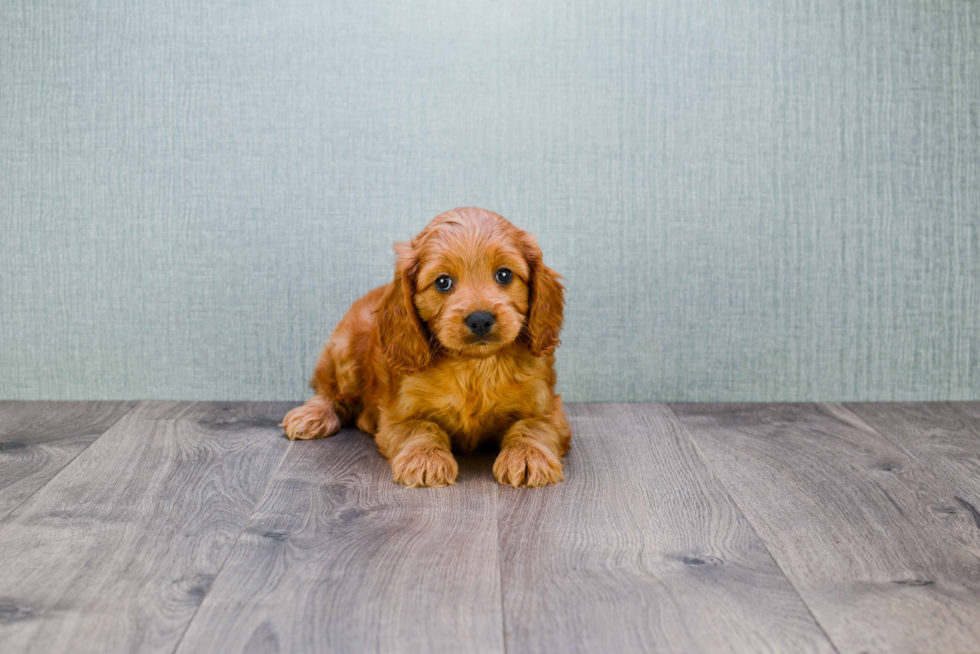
403, 336
546, 301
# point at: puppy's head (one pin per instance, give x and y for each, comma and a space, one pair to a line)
469, 285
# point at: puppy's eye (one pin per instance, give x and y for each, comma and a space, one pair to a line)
444, 283
504, 276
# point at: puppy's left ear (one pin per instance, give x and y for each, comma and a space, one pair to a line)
546, 300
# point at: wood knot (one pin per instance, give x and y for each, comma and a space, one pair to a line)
697, 561
241, 424
274, 535
13, 613
349, 515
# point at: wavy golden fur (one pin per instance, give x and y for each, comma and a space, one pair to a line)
405, 366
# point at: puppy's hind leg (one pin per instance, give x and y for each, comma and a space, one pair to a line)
337, 378
314, 419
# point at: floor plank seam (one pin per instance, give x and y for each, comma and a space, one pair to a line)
943, 486
231, 550
500, 570
897, 442
105, 431
882, 434
710, 468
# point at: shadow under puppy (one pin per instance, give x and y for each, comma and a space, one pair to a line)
455, 352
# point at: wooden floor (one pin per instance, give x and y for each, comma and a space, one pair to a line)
179, 527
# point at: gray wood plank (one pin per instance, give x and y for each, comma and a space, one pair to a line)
971, 409
338, 558
38, 439
871, 539
116, 553
641, 550
940, 436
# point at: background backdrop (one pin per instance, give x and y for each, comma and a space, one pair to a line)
749, 200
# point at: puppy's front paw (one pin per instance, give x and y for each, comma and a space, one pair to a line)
525, 464
424, 466
315, 419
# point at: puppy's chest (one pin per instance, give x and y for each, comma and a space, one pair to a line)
475, 401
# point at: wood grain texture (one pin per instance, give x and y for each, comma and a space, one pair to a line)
116, 553
640, 550
38, 439
938, 435
338, 558
870, 537
971, 409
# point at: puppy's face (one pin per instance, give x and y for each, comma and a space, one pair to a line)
472, 288
469, 285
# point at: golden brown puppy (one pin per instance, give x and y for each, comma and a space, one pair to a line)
456, 351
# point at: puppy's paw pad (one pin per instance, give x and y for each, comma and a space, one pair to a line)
312, 420
521, 465
418, 467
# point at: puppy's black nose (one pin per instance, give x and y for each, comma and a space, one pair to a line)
480, 322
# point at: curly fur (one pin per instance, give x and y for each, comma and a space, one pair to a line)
403, 366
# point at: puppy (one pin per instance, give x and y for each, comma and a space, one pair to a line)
457, 351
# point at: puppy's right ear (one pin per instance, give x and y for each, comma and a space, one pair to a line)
403, 336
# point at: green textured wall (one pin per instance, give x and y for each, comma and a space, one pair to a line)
749, 200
